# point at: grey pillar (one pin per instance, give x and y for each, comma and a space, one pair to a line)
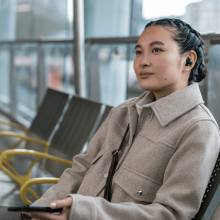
13, 93
206, 60
41, 75
79, 54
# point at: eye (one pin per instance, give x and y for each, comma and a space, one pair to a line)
138, 52
156, 49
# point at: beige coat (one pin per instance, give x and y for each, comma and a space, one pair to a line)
168, 155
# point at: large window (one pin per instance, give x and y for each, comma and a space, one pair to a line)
107, 69
44, 18
57, 64
107, 18
24, 73
203, 15
109, 66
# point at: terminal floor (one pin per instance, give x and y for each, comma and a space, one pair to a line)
9, 189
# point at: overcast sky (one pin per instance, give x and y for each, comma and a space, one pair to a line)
164, 8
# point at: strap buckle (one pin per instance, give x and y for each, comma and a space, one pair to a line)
114, 152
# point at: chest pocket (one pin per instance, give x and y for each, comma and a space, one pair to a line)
98, 156
139, 187
96, 160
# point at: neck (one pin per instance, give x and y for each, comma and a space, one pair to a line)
168, 90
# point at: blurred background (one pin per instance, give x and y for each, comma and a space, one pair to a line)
37, 49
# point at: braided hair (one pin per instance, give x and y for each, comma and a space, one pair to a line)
187, 39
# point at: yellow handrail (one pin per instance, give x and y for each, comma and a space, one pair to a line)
13, 134
30, 182
14, 125
23, 137
39, 155
20, 127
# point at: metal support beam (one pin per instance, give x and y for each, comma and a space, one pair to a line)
214, 38
12, 76
206, 60
41, 76
79, 54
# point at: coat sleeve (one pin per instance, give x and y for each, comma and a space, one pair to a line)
185, 180
71, 178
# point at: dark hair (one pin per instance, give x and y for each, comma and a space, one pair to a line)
187, 39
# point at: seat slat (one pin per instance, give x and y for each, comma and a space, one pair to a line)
211, 189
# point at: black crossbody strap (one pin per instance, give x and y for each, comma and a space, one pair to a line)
107, 193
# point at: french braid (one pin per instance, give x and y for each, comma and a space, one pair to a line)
178, 23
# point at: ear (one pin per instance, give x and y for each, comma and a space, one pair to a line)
191, 55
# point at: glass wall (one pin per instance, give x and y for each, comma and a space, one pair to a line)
202, 15
8, 19
44, 18
57, 64
105, 18
109, 67
25, 76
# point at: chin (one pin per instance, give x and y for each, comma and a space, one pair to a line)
147, 87
153, 86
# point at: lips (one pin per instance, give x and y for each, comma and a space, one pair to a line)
143, 73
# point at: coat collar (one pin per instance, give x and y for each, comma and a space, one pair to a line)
171, 106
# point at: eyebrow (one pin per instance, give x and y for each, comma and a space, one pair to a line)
151, 44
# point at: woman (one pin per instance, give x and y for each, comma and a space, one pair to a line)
153, 156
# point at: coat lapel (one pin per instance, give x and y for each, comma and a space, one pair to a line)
173, 105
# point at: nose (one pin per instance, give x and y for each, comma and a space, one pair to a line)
144, 62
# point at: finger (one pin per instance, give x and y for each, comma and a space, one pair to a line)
26, 213
53, 217
61, 203
40, 215
63, 215
29, 215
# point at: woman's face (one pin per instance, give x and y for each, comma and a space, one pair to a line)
158, 65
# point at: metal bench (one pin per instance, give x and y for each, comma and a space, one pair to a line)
210, 192
68, 140
45, 120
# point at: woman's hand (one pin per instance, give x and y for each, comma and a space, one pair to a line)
65, 204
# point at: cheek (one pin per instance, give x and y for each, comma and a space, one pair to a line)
135, 65
165, 66
162, 63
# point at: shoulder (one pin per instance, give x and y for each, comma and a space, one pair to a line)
202, 113
199, 124
209, 115
124, 104
119, 114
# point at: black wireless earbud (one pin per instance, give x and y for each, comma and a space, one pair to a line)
188, 62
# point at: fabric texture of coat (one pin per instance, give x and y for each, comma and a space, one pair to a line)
164, 165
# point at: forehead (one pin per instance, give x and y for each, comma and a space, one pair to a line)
155, 33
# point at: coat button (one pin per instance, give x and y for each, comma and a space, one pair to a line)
106, 175
139, 192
